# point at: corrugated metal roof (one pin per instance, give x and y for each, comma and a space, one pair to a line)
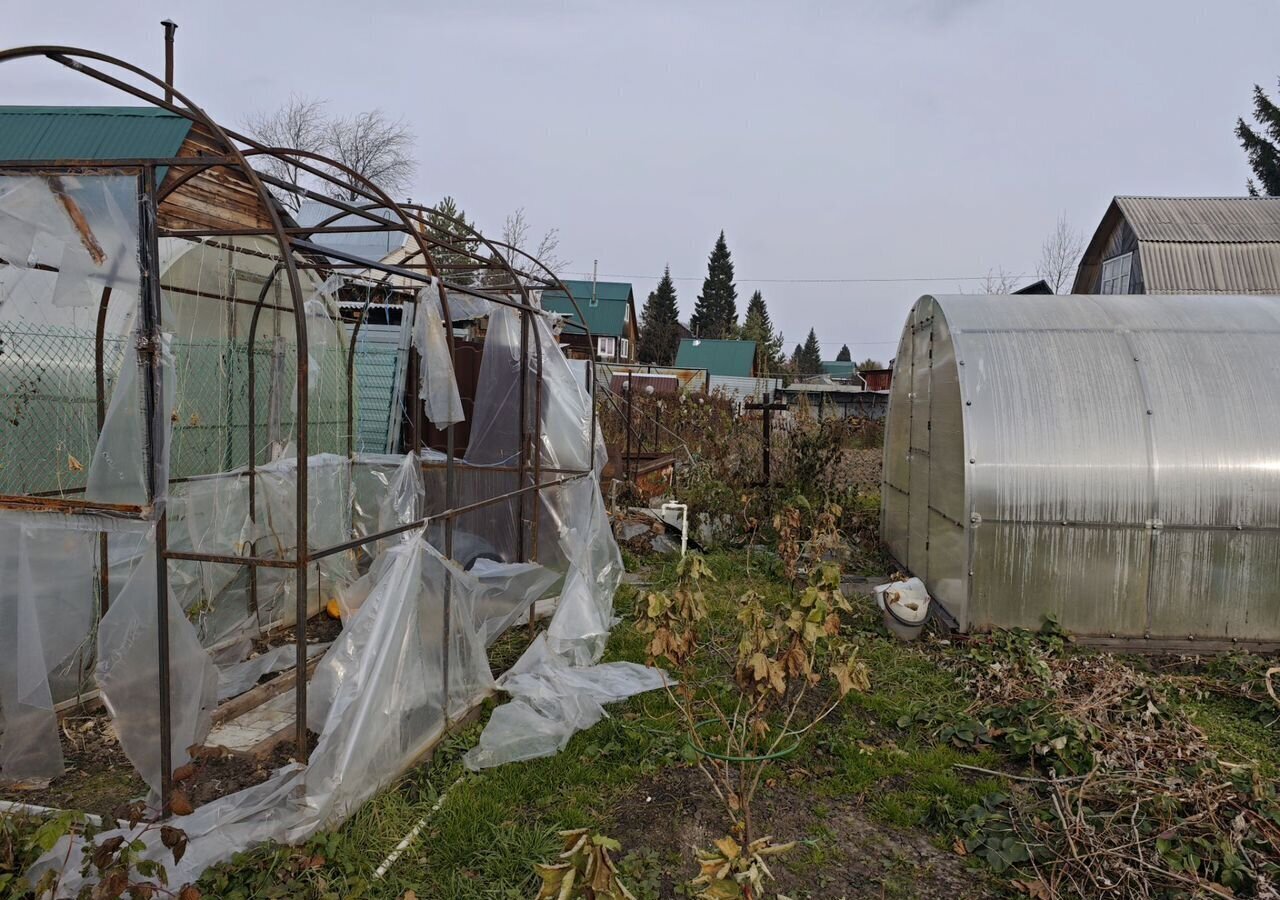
1185, 268
724, 358
1201, 219
48, 133
607, 317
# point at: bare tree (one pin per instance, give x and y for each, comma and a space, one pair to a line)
998, 281
300, 124
376, 147
1060, 255
369, 143
515, 232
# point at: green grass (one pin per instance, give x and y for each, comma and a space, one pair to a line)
493, 826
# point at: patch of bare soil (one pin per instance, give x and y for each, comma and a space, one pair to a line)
841, 852
99, 778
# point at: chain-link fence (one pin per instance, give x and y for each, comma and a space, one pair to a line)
49, 417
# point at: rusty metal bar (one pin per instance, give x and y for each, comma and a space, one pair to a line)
157, 423
446, 515
100, 397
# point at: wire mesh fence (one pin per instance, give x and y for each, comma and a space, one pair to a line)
49, 404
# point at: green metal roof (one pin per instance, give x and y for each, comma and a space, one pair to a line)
837, 368
607, 317
49, 133
733, 358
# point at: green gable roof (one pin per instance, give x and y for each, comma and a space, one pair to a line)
838, 368
734, 358
607, 317
50, 133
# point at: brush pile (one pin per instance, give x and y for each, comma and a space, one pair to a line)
1128, 799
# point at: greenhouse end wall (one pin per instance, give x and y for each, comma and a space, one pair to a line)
1111, 461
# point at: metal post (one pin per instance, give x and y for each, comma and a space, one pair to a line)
104, 559
169, 28
150, 358
626, 459
767, 412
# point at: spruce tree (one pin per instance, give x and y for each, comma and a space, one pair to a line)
810, 355
454, 230
1262, 146
715, 315
660, 324
844, 355
794, 363
758, 327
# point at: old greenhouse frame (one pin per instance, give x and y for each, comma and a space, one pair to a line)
181, 526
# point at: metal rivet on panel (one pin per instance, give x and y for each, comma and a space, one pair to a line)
1113, 634
972, 459
968, 403
1135, 359
1147, 636
1148, 412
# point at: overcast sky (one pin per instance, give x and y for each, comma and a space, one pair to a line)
912, 139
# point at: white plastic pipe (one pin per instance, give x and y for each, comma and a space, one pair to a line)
413, 833
684, 524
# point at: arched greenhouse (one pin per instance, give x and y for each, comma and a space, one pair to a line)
1111, 461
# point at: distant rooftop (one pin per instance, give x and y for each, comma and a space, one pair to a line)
727, 358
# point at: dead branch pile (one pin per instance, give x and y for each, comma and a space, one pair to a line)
1134, 802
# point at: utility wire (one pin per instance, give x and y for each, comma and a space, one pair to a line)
877, 280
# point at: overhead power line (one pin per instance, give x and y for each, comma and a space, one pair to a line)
869, 280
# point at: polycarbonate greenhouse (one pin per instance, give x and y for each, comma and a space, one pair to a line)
1111, 461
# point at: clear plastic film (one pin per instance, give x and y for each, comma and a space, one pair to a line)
377, 699
128, 673
46, 613
437, 385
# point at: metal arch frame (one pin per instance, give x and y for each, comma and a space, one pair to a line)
289, 244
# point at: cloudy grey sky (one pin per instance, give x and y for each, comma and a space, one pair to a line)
861, 140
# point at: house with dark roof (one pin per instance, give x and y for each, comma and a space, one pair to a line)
1184, 245
609, 310
730, 359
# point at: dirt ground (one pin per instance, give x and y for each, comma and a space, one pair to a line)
842, 852
100, 780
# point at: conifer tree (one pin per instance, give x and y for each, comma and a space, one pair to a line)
844, 355
1262, 146
758, 327
794, 362
715, 315
809, 357
660, 324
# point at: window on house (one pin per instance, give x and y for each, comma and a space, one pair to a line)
624, 348
1115, 274
606, 346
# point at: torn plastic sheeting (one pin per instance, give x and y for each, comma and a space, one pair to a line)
551, 701
118, 473
238, 677
377, 698
437, 385
507, 591
128, 674
46, 613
